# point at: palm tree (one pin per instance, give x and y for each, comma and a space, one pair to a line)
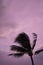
25, 47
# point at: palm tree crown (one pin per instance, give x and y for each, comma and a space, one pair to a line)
24, 41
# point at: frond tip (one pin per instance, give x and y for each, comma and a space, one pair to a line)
17, 48
34, 40
38, 51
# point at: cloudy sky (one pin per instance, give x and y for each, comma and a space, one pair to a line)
20, 16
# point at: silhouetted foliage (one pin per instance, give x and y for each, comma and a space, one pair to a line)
38, 51
24, 41
17, 48
17, 54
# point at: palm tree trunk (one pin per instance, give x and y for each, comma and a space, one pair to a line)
32, 60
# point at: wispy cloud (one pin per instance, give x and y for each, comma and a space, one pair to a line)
21, 15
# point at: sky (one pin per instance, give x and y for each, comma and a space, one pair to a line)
18, 16
24, 60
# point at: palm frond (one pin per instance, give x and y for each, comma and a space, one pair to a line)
34, 34
34, 41
16, 54
11, 54
23, 40
17, 48
38, 51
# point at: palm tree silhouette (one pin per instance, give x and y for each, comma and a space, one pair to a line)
25, 47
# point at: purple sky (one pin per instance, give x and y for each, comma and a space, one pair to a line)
17, 16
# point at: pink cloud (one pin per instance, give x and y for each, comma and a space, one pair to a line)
21, 15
